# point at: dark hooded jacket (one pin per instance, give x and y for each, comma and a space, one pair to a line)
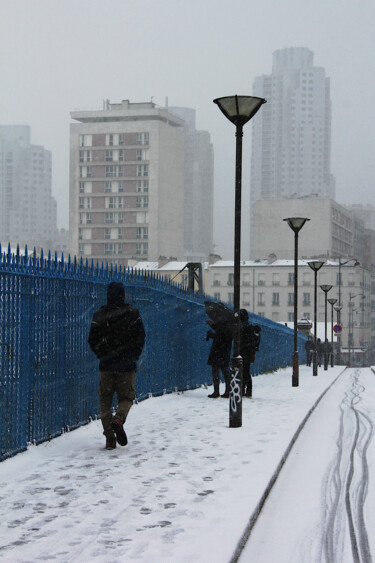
249, 338
222, 336
117, 334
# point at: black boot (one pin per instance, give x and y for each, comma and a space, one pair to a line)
216, 393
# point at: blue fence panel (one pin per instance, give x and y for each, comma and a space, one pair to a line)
48, 374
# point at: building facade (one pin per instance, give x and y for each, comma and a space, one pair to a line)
129, 195
28, 212
267, 289
331, 232
291, 138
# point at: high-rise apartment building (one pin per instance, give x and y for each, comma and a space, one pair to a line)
291, 136
27, 208
128, 188
199, 186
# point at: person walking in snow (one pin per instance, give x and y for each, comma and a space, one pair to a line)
249, 345
117, 338
219, 357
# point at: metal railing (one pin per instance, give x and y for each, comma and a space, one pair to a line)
48, 374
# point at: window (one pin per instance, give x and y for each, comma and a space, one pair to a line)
291, 279
142, 232
290, 317
276, 317
275, 279
142, 139
142, 169
290, 299
108, 186
142, 201
261, 299
231, 298
246, 280
141, 248
217, 296
110, 171
109, 218
115, 202
85, 218
121, 186
261, 279
84, 203
230, 279
246, 299
121, 155
142, 186
109, 155
217, 279
120, 170
121, 139
275, 299
306, 299
107, 233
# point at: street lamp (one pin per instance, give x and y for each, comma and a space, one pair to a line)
296, 224
356, 263
315, 265
326, 288
332, 302
351, 311
239, 110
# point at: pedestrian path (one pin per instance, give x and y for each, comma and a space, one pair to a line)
182, 490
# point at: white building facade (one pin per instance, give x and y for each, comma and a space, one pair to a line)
128, 192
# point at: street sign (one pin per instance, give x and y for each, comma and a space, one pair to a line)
337, 329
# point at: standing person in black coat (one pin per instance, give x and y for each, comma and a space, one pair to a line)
249, 345
219, 357
309, 349
117, 338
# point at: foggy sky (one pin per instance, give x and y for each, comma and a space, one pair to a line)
59, 55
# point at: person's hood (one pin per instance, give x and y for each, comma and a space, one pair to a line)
115, 293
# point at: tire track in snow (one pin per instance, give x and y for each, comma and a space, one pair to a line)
347, 481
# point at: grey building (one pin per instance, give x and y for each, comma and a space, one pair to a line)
199, 187
27, 208
291, 137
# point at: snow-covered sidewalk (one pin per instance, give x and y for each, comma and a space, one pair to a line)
182, 490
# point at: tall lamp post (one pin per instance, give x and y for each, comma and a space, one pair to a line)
239, 110
351, 311
356, 263
326, 288
315, 265
296, 224
332, 302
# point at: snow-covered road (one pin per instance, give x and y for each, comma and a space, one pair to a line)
318, 510
186, 485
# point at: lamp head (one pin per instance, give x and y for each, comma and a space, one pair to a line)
326, 288
332, 301
315, 265
296, 223
239, 109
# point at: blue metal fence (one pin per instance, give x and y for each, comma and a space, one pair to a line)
48, 374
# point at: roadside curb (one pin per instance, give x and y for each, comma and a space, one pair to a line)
254, 516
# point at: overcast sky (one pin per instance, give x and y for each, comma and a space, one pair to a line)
59, 55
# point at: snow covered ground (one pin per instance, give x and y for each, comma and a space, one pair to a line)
186, 485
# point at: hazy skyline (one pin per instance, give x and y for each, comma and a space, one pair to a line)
58, 56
